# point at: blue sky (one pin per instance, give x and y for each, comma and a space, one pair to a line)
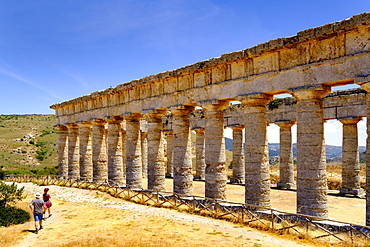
52, 51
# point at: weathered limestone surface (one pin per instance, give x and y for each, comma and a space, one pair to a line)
86, 165
286, 155
156, 167
311, 159
73, 151
144, 153
62, 151
115, 159
257, 170
182, 166
133, 152
99, 143
200, 162
238, 155
215, 173
169, 170
364, 82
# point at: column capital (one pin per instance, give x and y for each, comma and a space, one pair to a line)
182, 109
198, 129
61, 127
285, 123
349, 120
98, 121
155, 115
72, 126
114, 119
215, 105
363, 82
237, 126
310, 92
86, 124
255, 99
134, 116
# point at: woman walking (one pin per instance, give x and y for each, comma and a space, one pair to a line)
47, 203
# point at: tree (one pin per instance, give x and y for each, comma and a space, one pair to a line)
10, 194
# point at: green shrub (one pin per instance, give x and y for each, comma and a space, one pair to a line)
10, 194
12, 216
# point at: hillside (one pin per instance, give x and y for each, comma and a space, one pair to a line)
28, 144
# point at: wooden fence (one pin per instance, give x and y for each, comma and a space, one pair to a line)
263, 218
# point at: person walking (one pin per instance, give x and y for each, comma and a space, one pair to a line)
37, 207
47, 202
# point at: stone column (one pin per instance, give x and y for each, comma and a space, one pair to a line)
215, 158
123, 133
238, 155
86, 165
144, 152
115, 159
286, 155
350, 158
156, 168
169, 170
182, 164
134, 173
257, 168
62, 151
311, 158
73, 152
364, 82
200, 164
100, 166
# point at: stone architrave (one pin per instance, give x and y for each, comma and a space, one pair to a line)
350, 157
62, 151
257, 168
200, 164
311, 159
115, 159
215, 175
134, 173
99, 143
144, 153
182, 164
364, 82
86, 165
73, 152
169, 168
156, 166
286, 155
238, 155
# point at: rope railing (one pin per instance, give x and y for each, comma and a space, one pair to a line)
303, 226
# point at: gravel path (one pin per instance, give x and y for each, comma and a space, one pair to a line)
97, 198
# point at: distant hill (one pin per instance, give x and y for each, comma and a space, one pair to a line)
333, 153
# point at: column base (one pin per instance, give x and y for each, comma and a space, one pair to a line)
285, 186
356, 192
236, 181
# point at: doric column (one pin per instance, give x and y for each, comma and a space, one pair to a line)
169, 170
364, 82
62, 151
257, 169
123, 133
73, 152
182, 165
311, 158
86, 165
144, 152
99, 143
115, 159
156, 168
238, 155
134, 173
215, 158
350, 157
286, 155
200, 164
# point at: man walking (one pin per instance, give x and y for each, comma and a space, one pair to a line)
37, 207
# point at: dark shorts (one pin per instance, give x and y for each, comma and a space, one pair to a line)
37, 216
48, 204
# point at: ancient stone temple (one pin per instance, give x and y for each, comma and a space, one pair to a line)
118, 134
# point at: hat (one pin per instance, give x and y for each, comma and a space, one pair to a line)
37, 195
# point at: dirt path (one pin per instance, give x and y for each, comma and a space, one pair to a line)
83, 215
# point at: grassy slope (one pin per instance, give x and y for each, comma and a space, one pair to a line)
23, 138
